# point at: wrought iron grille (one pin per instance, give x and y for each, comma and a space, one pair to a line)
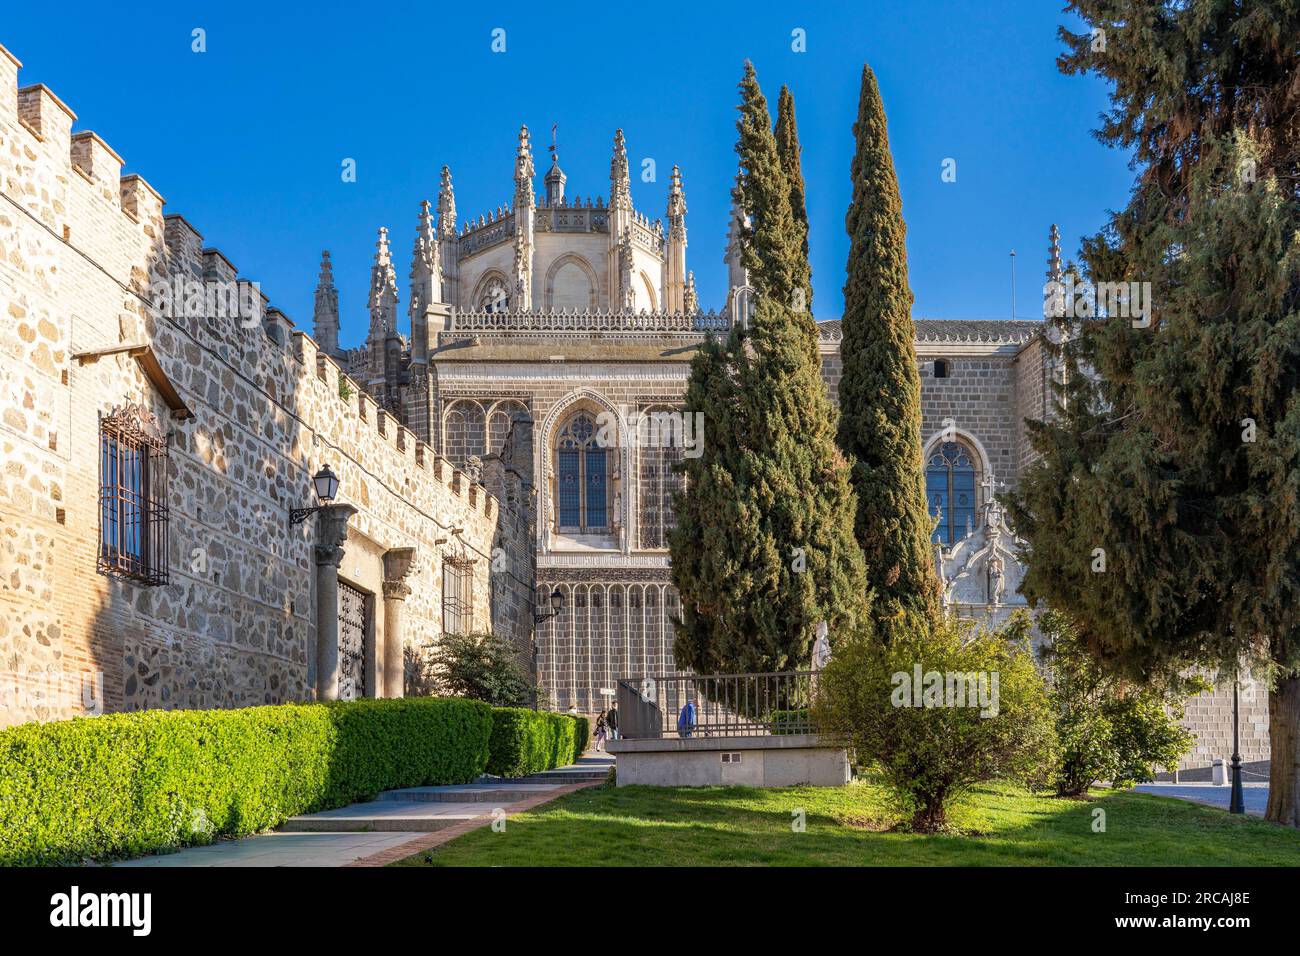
721, 705
457, 595
133, 511
352, 642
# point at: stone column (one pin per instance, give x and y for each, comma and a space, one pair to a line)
331, 535
397, 565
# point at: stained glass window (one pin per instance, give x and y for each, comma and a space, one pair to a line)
581, 475
950, 483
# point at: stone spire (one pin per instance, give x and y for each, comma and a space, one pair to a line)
446, 206
325, 314
426, 283
1054, 271
525, 221
737, 274
675, 258
383, 305
690, 299
620, 183
524, 171
555, 180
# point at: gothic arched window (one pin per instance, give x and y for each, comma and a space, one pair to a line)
581, 477
495, 296
951, 480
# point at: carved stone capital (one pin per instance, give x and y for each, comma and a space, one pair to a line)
398, 563
396, 591
332, 532
327, 555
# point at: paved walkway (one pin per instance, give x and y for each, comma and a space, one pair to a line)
398, 824
1255, 795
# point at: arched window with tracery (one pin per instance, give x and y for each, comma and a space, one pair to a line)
494, 295
581, 477
951, 487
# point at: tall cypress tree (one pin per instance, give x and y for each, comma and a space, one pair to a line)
1163, 513
789, 150
764, 545
880, 390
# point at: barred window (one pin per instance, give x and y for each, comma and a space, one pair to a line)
133, 514
457, 595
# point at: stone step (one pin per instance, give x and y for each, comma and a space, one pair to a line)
387, 815
472, 793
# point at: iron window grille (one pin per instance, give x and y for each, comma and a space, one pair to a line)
133, 512
457, 595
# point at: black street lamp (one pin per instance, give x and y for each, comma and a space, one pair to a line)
326, 484
557, 605
1237, 803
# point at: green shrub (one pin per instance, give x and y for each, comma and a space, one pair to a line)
530, 741
482, 667
127, 784
790, 721
527, 742
582, 736
927, 750
1109, 728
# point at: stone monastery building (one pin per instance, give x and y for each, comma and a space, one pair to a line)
512, 434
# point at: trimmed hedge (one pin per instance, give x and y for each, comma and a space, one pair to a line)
582, 735
529, 741
128, 784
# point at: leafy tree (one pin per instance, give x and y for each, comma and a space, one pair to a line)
478, 667
763, 548
1108, 728
1163, 513
880, 390
931, 748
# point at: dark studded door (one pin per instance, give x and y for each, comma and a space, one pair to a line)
352, 642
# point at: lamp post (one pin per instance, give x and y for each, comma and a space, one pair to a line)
326, 485
557, 605
1237, 803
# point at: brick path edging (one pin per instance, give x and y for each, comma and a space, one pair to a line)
430, 841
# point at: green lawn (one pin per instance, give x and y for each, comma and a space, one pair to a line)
848, 826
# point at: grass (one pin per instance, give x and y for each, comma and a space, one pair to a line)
851, 826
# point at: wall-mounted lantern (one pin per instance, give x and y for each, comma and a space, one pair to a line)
326, 484
557, 605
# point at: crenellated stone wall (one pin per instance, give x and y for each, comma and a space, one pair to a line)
252, 410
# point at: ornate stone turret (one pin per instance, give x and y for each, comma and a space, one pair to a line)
449, 260
325, 314
555, 180
426, 284
1054, 271
675, 258
690, 299
737, 274
525, 222
620, 183
622, 297
383, 305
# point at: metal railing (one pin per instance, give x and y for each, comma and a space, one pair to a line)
715, 705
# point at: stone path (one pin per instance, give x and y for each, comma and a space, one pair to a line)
397, 824
1255, 795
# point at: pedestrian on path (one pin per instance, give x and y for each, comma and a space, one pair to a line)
602, 731
612, 722
686, 720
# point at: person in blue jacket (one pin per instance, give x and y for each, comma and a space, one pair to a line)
686, 720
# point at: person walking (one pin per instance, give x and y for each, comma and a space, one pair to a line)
602, 732
612, 722
686, 720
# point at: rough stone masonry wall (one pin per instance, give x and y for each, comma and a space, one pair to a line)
79, 247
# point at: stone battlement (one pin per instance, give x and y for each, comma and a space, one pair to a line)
73, 184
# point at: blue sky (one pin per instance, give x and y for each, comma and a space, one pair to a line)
246, 140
